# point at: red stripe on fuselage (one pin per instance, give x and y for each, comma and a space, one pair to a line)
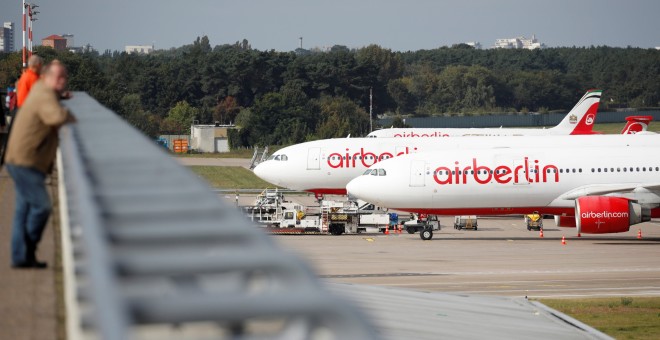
491, 211
327, 191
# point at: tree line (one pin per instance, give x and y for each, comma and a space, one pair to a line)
290, 97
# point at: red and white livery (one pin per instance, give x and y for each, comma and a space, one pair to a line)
594, 185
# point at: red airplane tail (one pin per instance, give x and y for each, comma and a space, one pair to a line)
636, 124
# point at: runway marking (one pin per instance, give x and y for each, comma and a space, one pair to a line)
459, 283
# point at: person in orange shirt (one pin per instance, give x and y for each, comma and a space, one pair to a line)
28, 78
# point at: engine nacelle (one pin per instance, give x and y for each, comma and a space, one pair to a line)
565, 221
604, 214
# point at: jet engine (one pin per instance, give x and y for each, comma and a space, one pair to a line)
605, 214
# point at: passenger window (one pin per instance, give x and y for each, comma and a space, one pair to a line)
598, 169
592, 170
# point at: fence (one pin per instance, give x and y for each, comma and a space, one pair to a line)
510, 120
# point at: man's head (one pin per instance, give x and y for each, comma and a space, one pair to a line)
35, 62
55, 76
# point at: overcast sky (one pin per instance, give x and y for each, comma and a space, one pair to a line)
397, 24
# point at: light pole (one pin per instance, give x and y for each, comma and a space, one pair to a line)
27, 28
371, 109
31, 17
23, 35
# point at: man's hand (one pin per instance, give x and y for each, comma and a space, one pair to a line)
66, 95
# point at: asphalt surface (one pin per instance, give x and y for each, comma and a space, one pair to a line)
501, 258
28, 299
188, 161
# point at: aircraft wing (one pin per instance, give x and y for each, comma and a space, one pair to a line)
648, 193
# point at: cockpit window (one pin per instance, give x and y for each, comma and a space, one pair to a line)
381, 172
374, 172
278, 158
367, 172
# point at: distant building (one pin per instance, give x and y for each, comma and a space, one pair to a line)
210, 138
69, 40
519, 42
7, 37
139, 49
476, 45
54, 41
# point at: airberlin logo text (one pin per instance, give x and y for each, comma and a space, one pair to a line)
527, 172
605, 214
412, 134
362, 158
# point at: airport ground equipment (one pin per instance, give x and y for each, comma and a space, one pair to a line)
534, 221
277, 215
421, 222
150, 252
468, 222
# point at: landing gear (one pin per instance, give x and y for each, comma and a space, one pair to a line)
426, 234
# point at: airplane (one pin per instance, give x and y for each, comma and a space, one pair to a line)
344, 159
595, 186
578, 121
326, 166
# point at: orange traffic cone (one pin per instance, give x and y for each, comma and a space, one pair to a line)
387, 230
541, 233
639, 234
563, 241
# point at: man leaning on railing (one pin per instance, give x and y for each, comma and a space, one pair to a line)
29, 158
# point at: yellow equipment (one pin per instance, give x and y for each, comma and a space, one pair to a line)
534, 221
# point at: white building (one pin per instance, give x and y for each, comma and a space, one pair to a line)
519, 42
7, 37
210, 138
476, 45
139, 49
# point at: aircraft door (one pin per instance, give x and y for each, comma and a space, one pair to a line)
314, 159
523, 173
417, 175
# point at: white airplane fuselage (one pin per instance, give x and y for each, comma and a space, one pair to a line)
510, 180
326, 166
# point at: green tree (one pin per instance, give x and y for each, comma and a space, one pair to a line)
182, 116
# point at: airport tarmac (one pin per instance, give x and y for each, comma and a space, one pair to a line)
500, 258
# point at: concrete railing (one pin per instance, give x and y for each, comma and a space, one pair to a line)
151, 252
